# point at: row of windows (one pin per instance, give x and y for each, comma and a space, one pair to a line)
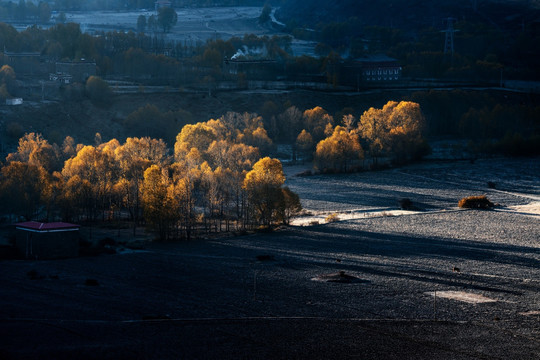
382, 72
382, 78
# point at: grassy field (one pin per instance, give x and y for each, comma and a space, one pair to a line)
440, 283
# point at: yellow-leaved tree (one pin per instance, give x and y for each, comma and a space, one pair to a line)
263, 186
339, 151
158, 198
394, 130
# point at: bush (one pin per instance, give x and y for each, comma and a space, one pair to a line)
332, 218
14, 130
98, 91
476, 202
405, 204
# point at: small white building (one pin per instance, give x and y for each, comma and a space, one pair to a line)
14, 101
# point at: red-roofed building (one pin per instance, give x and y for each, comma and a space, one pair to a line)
36, 240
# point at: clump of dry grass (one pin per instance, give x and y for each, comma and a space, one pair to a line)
332, 218
476, 202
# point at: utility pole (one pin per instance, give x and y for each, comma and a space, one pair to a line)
449, 38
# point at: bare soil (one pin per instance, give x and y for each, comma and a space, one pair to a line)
218, 299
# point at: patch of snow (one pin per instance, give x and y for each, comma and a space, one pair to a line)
462, 296
317, 218
530, 313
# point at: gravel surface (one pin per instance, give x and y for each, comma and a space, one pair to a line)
215, 299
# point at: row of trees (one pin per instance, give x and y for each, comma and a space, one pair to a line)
394, 132
214, 180
79, 5
215, 177
166, 18
26, 10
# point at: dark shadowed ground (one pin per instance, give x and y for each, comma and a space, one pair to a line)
214, 299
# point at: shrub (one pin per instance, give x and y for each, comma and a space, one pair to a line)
91, 282
14, 130
332, 218
98, 91
476, 202
405, 204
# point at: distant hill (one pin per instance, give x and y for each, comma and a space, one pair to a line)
411, 14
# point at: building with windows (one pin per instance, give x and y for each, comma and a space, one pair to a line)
379, 68
371, 70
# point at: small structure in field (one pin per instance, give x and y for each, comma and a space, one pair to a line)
14, 101
36, 240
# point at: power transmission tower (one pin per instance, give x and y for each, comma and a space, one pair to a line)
449, 36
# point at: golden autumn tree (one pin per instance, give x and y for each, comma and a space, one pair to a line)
198, 136
263, 186
405, 124
97, 167
182, 191
133, 158
396, 129
159, 206
22, 188
289, 125
36, 150
304, 145
257, 138
315, 121
290, 205
339, 151
373, 127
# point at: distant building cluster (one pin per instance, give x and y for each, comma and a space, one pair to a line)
77, 71
372, 69
33, 64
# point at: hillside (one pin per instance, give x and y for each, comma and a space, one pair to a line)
410, 15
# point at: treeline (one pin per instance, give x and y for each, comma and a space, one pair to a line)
26, 10
145, 4
213, 181
22, 9
482, 52
494, 123
145, 58
217, 177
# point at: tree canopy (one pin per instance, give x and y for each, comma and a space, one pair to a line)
167, 18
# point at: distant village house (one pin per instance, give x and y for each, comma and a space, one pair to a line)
372, 69
73, 71
24, 63
379, 68
14, 101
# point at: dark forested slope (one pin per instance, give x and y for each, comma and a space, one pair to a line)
410, 14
